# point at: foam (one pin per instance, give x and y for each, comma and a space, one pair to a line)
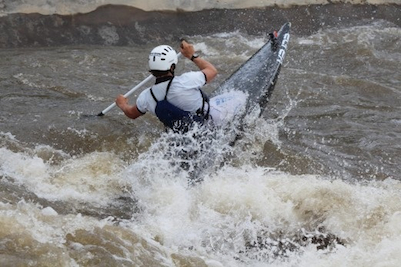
216, 220
80, 179
237, 205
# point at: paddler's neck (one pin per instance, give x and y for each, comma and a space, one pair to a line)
164, 78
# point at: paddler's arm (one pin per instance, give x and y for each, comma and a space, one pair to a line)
130, 111
187, 50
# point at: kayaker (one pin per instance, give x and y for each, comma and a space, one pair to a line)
178, 101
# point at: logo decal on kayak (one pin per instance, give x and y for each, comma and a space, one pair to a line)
284, 44
286, 38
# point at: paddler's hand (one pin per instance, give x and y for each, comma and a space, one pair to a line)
130, 111
186, 49
121, 101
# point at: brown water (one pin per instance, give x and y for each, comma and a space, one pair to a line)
314, 182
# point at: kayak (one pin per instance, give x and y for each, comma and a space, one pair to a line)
253, 83
257, 77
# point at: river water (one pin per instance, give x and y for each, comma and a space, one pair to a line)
314, 181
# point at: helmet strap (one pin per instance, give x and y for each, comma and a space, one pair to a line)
172, 69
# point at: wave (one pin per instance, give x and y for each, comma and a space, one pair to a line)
239, 216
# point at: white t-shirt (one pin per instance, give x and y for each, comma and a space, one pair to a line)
183, 93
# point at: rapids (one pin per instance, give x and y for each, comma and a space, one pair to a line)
314, 181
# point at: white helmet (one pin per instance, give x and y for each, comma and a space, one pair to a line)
162, 57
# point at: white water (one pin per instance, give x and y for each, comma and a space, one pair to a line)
59, 209
212, 223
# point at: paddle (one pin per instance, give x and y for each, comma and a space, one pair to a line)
130, 92
126, 95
